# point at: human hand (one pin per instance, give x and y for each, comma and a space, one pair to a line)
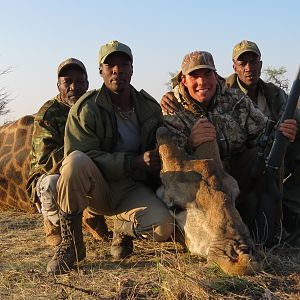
169, 103
203, 131
148, 161
288, 129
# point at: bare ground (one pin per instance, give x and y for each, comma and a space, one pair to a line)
155, 271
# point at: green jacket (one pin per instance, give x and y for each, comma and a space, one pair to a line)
47, 142
91, 128
275, 96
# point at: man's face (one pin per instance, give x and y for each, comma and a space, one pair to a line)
72, 84
201, 85
116, 72
248, 68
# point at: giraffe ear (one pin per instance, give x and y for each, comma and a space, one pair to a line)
170, 154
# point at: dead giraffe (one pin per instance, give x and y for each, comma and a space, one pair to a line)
15, 145
204, 195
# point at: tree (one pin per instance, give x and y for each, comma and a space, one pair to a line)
277, 76
4, 95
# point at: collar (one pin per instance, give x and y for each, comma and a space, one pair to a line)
58, 98
139, 102
244, 90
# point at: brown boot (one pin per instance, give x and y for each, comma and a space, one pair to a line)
52, 232
72, 249
95, 225
122, 243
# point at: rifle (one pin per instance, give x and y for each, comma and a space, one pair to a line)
269, 212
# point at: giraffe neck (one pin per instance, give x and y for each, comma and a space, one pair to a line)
15, 145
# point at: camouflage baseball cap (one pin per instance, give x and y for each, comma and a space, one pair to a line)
113, 46
71, 62
244, 46
197, 60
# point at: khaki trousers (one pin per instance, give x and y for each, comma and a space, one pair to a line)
82, 185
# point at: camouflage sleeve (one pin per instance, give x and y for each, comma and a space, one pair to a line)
180, 125
255, 121
47, 145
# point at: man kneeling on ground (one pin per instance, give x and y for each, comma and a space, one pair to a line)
111, 163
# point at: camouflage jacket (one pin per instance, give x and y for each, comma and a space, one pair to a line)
92, 128
276, 98
47, 142
238, 123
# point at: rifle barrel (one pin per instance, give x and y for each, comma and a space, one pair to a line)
280, 143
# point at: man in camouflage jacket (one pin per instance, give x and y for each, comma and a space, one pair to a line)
209, 110
271, 101
48, 145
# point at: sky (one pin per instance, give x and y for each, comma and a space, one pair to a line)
35, 36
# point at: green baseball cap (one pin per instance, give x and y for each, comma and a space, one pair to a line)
197, 60
111, 47
244, 46
70, 62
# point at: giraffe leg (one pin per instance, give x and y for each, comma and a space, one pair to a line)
95, 225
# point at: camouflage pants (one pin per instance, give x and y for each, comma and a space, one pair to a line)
47, 193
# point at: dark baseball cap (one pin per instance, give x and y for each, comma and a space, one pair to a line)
70, 62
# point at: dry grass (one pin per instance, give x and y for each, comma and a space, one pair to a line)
155, 271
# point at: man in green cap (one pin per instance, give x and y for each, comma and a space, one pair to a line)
111, 163
271, 100
206, 111
48, 150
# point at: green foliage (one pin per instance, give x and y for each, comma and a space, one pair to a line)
277, 76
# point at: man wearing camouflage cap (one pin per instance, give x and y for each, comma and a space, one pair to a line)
271, 100
208, 111
111, 163
48, 150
